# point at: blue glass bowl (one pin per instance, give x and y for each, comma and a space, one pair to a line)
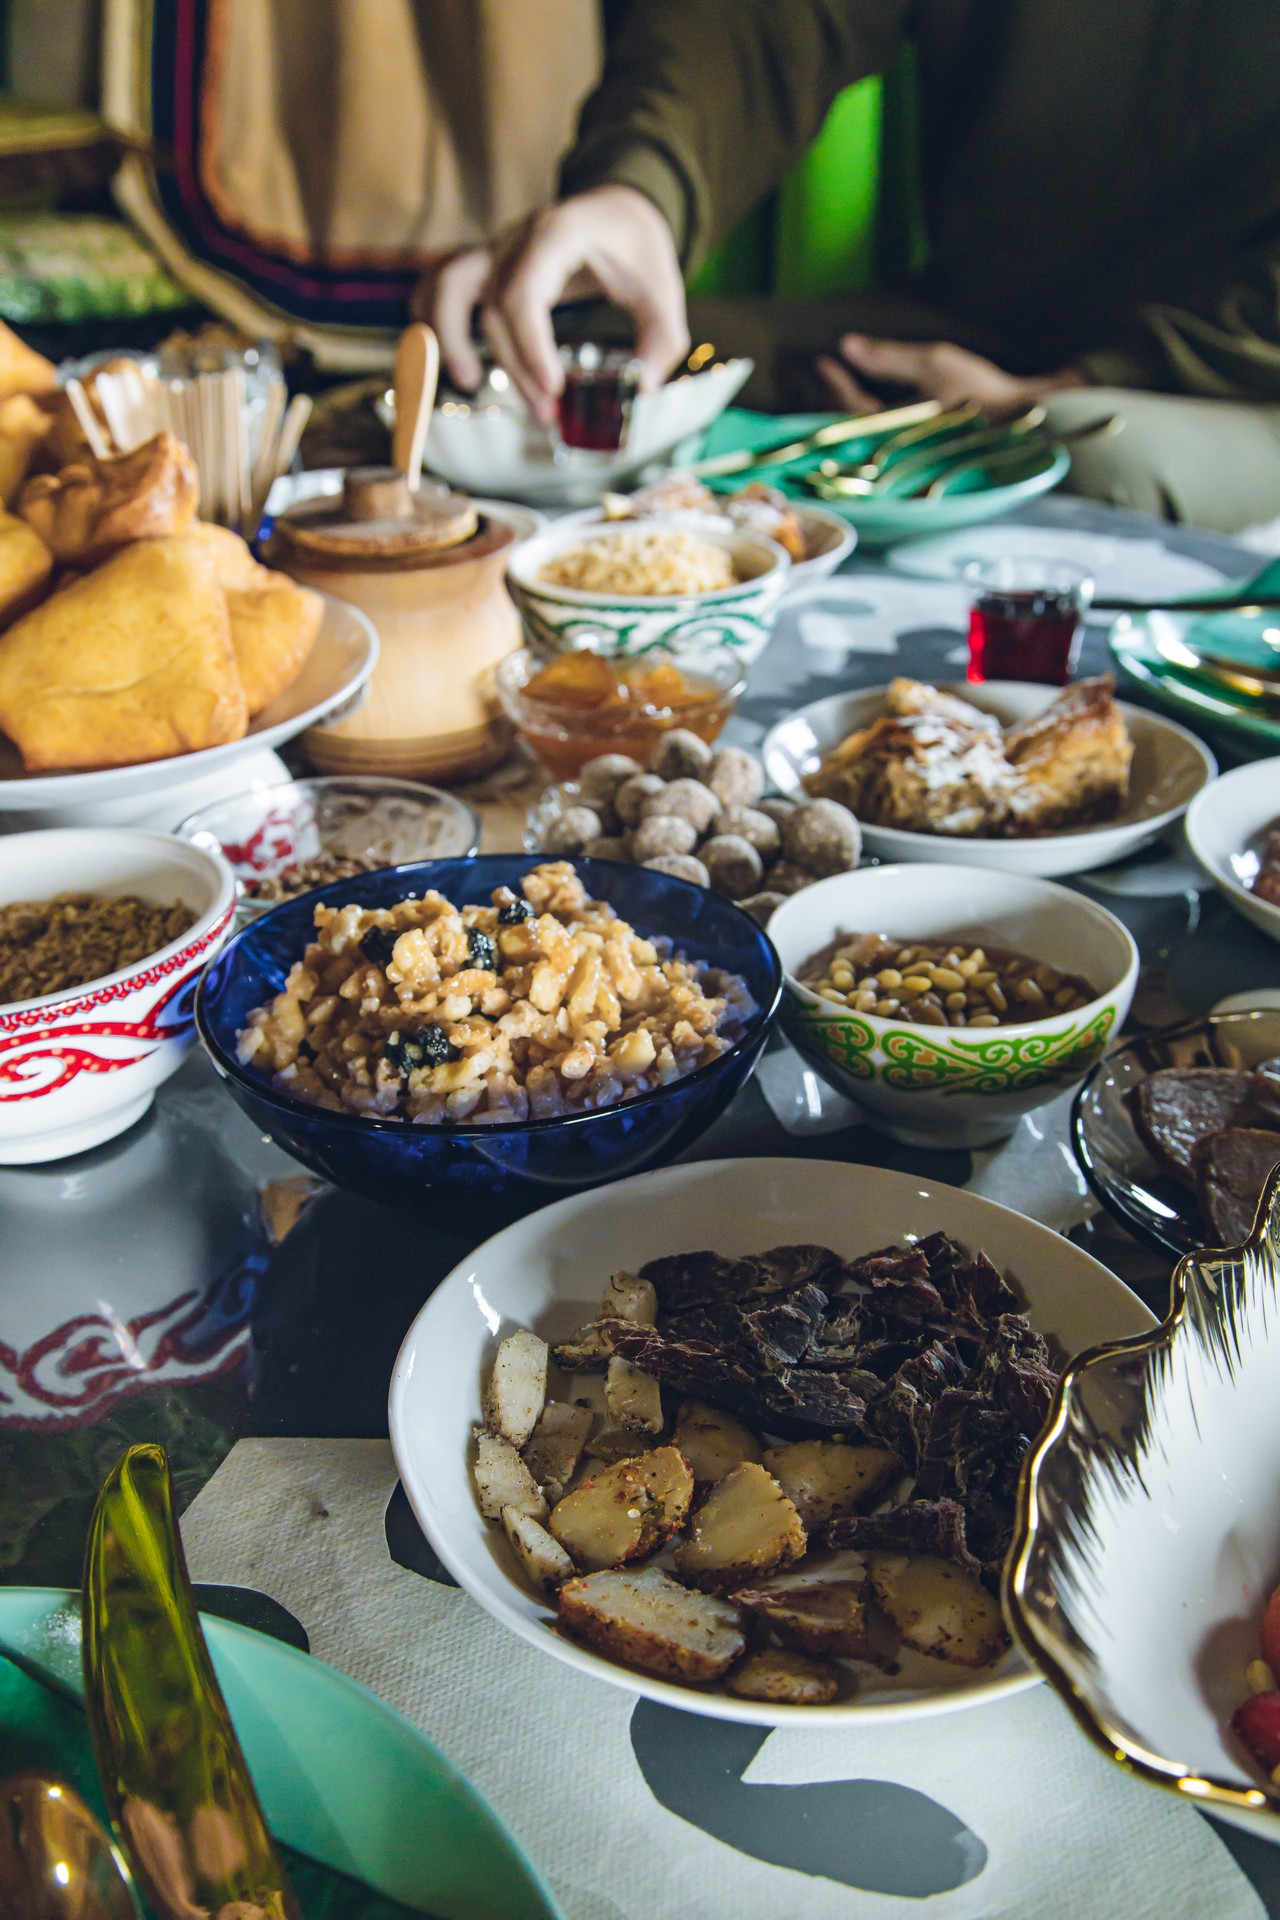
391, 1161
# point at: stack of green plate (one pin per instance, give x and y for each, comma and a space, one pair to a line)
1180, 662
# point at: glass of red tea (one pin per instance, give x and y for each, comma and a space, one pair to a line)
1025, 616
594, 409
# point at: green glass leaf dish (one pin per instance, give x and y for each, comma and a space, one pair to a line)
1248, 725
370, 1816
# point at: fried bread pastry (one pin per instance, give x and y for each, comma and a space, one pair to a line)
929, 764
22, 369
93, 507
24, 427
25, 566
274, 621
1071, 761
133, 662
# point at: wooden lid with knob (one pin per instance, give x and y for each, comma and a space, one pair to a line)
379, 521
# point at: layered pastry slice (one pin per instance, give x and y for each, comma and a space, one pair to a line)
930, 764
1071, 762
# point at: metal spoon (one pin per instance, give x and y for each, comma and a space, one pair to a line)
56, 1862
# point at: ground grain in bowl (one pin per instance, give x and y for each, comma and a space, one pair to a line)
541, 1004
656, 561
50, 946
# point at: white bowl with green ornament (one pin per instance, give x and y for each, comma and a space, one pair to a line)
953, 1086
565, 619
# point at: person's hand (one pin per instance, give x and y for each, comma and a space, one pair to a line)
935, 371
610, 242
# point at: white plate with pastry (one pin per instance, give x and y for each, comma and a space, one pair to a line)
1024, 778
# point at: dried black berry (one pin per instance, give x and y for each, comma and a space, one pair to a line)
429, 1047
378, 944
484, 952
514, 912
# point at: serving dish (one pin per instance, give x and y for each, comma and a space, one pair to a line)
264, 831
1136, 643
332, 679
828, 539
329, 1761
1170, 766
405, 1164
881, 520
954, 1086
1148, 1533
79, 1066
546, 1273
1224, 824
1112, 1155
741, 616
489, 441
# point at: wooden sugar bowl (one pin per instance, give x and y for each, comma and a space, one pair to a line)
427, 568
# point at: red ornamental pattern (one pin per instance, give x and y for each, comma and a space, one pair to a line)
62, 1044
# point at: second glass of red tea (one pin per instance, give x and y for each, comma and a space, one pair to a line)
1025, 616
600, 384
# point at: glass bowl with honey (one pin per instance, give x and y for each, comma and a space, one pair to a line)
576, 706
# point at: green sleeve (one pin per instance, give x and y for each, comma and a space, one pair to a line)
705, 104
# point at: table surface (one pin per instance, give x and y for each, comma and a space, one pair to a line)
188, 1284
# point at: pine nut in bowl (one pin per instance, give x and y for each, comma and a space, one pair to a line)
950, 1001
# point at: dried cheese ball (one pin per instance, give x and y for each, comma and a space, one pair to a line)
680, 755
662, 833
632, 795
687, 800
762, 906
785, 877
736, 777
777, 807
610, 846
751, 825
822, 837
681, 866
571, 832
733, 864
601, 777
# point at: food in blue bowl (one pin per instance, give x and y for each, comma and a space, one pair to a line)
490, 1024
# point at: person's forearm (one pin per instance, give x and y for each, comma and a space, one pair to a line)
705, 104
1225, 345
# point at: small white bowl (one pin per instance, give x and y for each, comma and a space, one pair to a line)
547, 1272
559, 619
828, 540
1224, 824
1170, 767
953, 1086
78, 1067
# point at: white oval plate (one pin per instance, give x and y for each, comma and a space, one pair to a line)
1170, 767
547, 1272
1123, 567
1224, 824
336, 671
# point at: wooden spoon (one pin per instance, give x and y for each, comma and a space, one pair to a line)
417, 372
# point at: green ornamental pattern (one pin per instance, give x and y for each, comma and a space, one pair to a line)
743, 624
995, 1063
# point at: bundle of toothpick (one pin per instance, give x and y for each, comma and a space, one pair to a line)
209, 413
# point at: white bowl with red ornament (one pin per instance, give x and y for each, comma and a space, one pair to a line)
79, 1066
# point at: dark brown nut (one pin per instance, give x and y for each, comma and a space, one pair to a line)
680, 755
785, 877
687, 800
777, 806
662, 833
751, 825
571, 832
762, 906
736, 777
822, 837
681, 866
610, 846
734, 865
601, 777
632, 794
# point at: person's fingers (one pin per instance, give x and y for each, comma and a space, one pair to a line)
447, 300
842, 387
507, 354
903, 362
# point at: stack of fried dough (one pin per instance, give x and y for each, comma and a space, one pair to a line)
129, 630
